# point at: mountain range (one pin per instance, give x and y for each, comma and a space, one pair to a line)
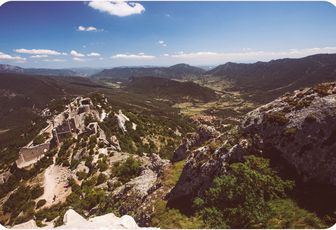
73, 72
178, 71
260, 81
279, 75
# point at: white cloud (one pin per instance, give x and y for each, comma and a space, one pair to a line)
88, 29
118, 8
38, 52
7, 57
93, 54
54, 60
132, 56
78, 59
39, 56
247, 55
162, 43
76, 54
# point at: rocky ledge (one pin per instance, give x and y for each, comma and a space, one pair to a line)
301, 129
72, 220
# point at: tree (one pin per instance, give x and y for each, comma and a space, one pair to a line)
40, 203
37, 191
127, 170
101, 179
241, 197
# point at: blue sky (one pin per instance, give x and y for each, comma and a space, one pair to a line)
93, 34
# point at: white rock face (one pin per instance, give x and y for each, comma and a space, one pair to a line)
72, 220
139, 185
27, 225
301, 129
103, 115
122, 120
55, 184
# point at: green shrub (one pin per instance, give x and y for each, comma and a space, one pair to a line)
52, 212
290, 132
286, 214
81, 175
92, 198
170, 177
277, 117
89, 183
322, 89
166, 218
240, 198
40, 138
310, 118
102, 165
17, 200
127, 170
40, 203
101, 179
40, 224
36, 192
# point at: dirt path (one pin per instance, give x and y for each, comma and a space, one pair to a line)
56, 184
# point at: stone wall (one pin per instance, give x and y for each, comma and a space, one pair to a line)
30, 155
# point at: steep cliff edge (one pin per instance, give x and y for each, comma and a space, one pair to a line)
298, 130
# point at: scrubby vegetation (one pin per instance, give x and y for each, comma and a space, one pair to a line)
40, 139
153, 134
21, 205
166, 217
277, 117
170, 89
127, 170
252, 195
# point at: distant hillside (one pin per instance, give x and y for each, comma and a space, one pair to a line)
73, 72
10, 69
51, 72
86, 71
178, 71
279, 76
170, 89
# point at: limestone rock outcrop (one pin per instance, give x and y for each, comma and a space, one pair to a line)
202, 165
203, 133
301, 129
72, 220
133, 193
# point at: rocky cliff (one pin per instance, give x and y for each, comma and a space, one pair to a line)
192, 140
298, 128
203, 164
